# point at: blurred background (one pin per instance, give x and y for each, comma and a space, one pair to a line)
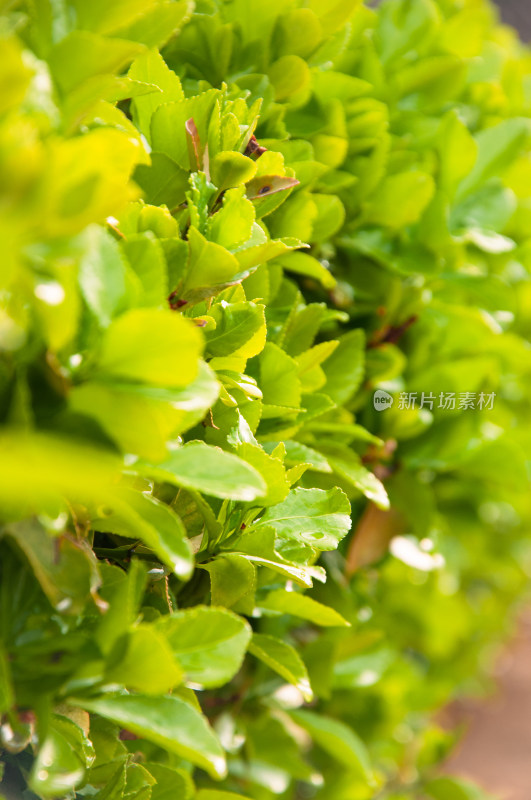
517, 13
496, 751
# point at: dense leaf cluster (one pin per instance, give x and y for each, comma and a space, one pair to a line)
224, 571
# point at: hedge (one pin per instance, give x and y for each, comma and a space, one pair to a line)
264, 392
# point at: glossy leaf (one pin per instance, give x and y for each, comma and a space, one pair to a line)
152, 346
163, 181
143, 661
208, 643
231, 169
283, 659
168, 722
211, 268
232, 582
348, 465
168, 781
151, 68
168, 125
62, 760
240, 330
318, 518
138, 516
344, 369
304, 264
65, 569
210, 470
301, 606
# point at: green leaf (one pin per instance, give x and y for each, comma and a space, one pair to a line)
304, 264
62, 759
115, 787
458, 151
146, 257
6, 688
117, 408
258, 546
266, 185
283, 659
314, 405
168, 722
168, 125
330, 216
400, 200
230, 169
345, 87
143, 661
100, 17
289, 75
302, 328
278, 378
197, 465
82, 55
298, 605
270, 739
151, 68
102, 274
298, 32
176, 254
346, 463
210, 269
344, 369
138, 516
15, 76
42, 470
403, 257
338, 740
240, 330
170, 782
163, 181
157, 221
123, 592
296, 217
66, 569
309, 363
497, 147
232, 225
199, 198
332, 15
365, 669
209, 643
251, 255
159, 24
152, 346
272, 471
213, 794
487, 210
433, 80
446, 788
402, 26
85, 181
316, 517
298, 453
232, 582
138, 782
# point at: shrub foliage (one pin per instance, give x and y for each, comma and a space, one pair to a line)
225, 571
